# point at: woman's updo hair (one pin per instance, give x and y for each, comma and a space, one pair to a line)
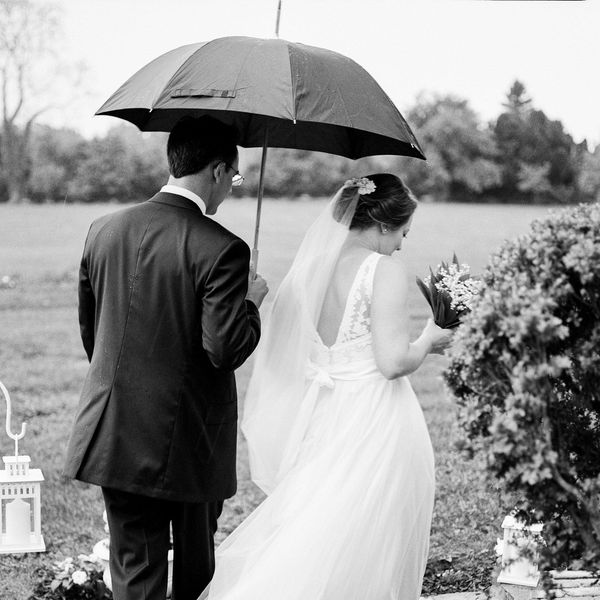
391, 203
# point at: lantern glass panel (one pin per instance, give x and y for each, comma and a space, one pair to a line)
6, 501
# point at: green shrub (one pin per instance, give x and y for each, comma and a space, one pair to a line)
525, 370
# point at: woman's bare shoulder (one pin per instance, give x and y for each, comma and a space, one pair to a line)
391, 271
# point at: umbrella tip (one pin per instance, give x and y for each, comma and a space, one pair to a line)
278, 18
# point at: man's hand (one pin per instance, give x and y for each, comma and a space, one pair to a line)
257, 289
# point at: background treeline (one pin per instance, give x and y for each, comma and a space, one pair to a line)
522, 156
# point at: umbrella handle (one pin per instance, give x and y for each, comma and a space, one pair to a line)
253, 263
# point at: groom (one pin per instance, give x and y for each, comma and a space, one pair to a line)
167, 313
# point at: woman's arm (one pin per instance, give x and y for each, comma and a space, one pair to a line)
395, 354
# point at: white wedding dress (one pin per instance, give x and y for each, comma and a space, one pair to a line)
350, 519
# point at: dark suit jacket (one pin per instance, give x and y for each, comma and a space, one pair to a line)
164, 322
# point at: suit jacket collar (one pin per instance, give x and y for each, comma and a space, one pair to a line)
175, 200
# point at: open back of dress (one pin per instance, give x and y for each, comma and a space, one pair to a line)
354, 311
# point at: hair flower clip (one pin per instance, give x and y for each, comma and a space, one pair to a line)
364, 185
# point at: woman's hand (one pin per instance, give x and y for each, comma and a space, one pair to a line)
439, 338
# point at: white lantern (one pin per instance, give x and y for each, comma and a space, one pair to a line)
20, 503
518, 569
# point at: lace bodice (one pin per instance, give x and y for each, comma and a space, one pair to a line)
356, 320
353, 340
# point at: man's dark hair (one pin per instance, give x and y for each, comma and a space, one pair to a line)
196, 142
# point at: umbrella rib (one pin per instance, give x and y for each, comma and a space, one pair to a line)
344, 104
237, 78
250, 51
406, 128
341, 96
293, 81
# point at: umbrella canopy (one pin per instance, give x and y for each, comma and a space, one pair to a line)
299, 96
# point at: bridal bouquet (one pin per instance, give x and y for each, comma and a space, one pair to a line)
449, 292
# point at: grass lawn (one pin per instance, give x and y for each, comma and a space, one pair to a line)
43, 365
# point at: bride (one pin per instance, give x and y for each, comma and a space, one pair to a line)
336, 436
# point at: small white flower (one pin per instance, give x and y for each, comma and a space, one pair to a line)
461, 291
65, 564
79, 577
364, 184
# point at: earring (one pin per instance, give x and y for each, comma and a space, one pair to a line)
384, 230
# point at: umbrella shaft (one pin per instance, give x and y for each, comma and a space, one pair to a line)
261, 186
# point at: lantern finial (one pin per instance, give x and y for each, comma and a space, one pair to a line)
14, 436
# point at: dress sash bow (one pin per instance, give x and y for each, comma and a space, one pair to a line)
320, 376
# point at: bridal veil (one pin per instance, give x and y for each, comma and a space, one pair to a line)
272, 405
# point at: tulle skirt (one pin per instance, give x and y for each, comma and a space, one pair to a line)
351, 519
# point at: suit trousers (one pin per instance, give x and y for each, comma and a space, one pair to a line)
139, 543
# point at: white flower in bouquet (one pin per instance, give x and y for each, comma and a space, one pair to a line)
450, 291
462, 287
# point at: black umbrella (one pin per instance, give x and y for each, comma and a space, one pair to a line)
276, 93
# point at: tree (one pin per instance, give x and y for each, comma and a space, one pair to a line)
461, 151
429, 180
296, 173
539, 158
517, 101
122, 166
30, 69
55, 158
534, 179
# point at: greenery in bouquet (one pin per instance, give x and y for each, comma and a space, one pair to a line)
525, 370
72, 579
449, 292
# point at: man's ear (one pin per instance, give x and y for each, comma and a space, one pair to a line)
218, 171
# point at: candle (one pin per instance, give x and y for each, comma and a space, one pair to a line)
18, 522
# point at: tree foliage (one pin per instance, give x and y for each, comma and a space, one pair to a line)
122, 166
521, 157
539, 159
517, 101
464, 149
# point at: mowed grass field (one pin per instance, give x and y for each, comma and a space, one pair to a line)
43, 365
